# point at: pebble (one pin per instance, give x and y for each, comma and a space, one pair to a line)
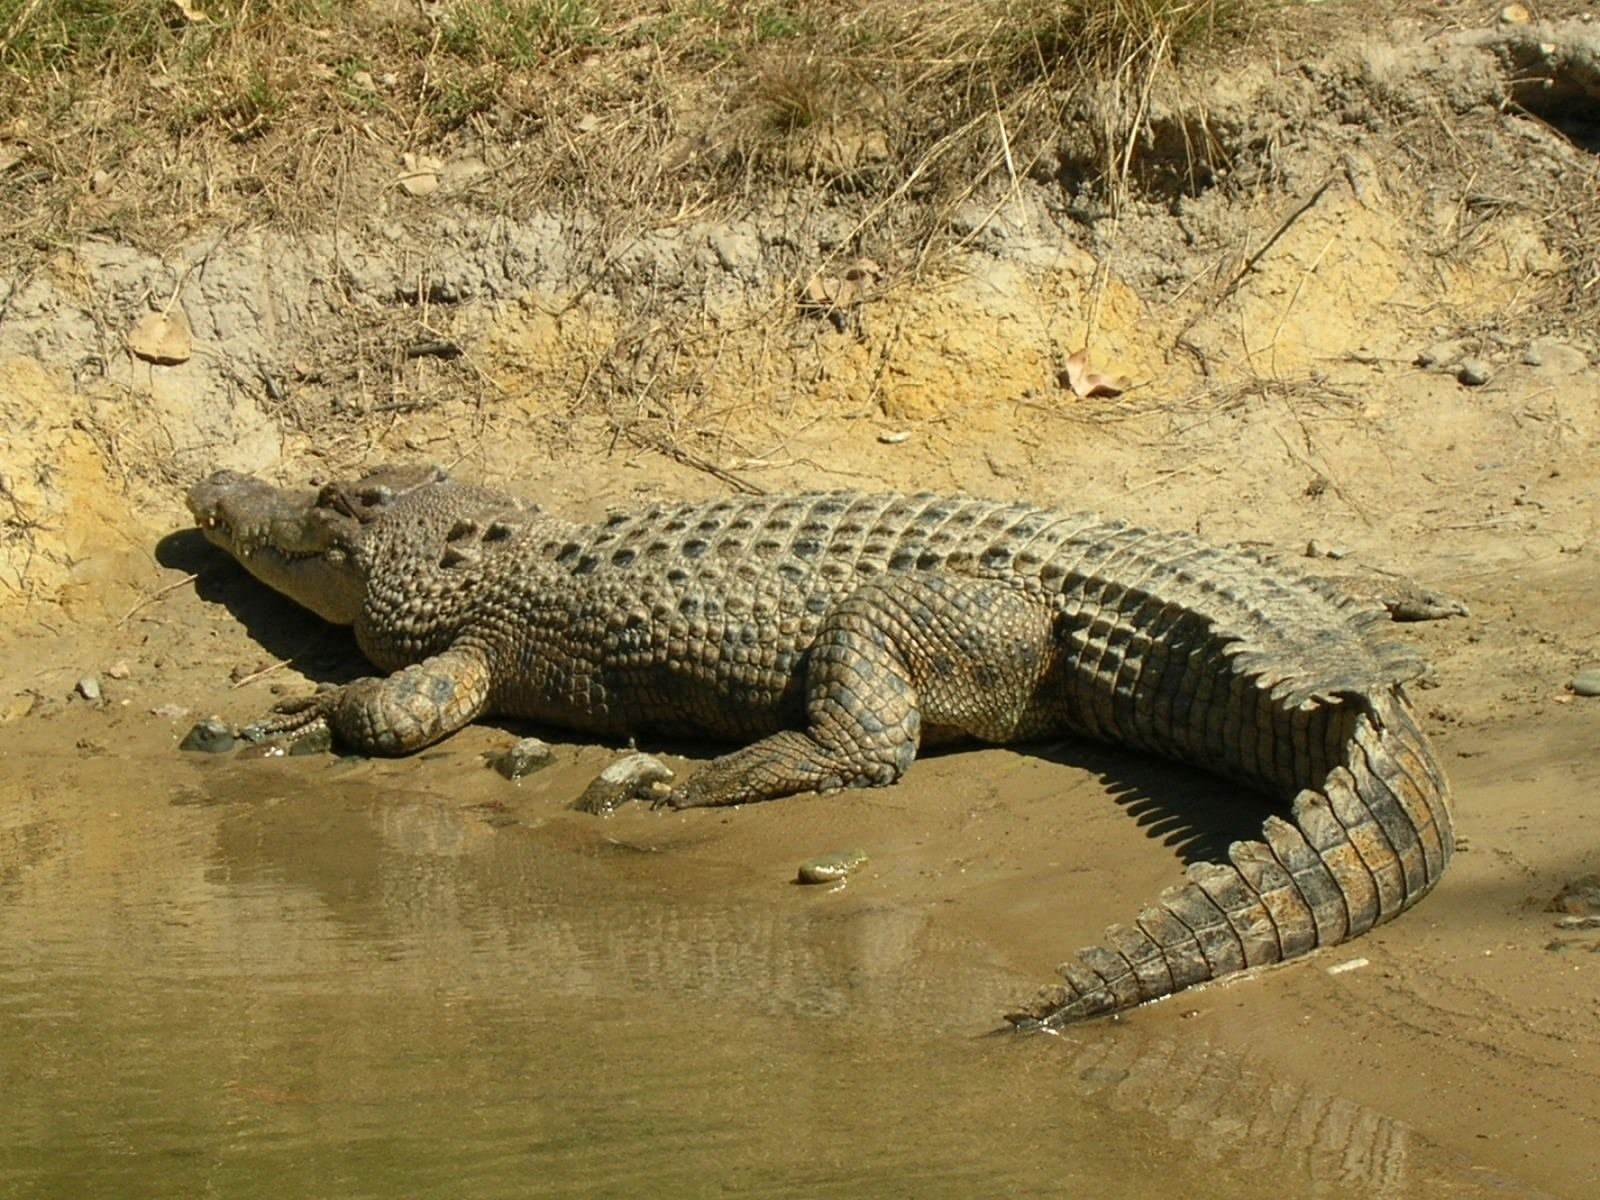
172, 712
830, 868
119, 669
210, 736
631, 777
89, 688
1474, 372
1321, 549
1587, 682
524, 758
1440, 354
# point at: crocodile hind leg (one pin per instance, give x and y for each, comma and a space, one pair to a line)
901, 659
395, 715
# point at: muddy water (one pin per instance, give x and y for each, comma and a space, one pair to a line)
315, 977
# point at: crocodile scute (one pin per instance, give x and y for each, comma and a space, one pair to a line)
833, 634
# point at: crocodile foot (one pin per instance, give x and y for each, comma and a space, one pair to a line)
304, 722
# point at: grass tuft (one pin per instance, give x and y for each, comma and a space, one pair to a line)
519, 34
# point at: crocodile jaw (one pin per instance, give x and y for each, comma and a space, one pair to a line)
286, 539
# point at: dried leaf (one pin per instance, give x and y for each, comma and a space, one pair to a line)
190, 13
162, 338
10, 156
849, 288
1086, 383
420, 174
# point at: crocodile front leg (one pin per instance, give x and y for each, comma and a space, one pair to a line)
395, 715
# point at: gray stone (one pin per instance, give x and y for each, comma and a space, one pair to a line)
89, 688
1587, 682
1474, 372
210, 736
524, 758
632, 777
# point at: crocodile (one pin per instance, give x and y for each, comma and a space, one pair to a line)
832, 635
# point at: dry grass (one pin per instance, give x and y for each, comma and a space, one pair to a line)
146, 118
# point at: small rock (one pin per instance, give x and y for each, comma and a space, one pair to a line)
172, 712
631, 777
1578, 898
1555, 356
1474, 372
524, 758
210, 736
1320, 549
1587, 682
1515, 14
830, 868
364, 81
89, 688
895, 438
119, 669
1440, 354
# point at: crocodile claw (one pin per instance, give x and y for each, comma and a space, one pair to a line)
298, 721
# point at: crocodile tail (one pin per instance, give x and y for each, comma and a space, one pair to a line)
1357, 851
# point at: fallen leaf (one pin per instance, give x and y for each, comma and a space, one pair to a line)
10, 156
850, 287
190, 13
1086, 383
420, 174
162, 338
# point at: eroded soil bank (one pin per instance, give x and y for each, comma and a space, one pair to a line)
375, 976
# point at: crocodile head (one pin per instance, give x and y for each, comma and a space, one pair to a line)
304, 543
